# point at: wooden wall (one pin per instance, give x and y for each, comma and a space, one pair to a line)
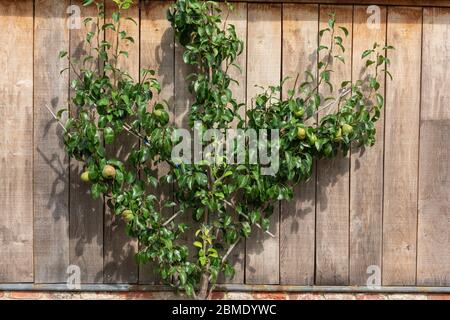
388, 206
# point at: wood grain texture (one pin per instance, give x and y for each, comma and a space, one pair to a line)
157, 53
433, 257
433, 241
263, 68
424, 3
238, 18
435, 54
51, 165
119, 249
366, 173
16, 142
332, 207
404, 32
86, 214
297, 227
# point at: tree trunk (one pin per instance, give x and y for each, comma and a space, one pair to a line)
204, 284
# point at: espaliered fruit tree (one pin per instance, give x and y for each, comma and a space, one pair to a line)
216, 203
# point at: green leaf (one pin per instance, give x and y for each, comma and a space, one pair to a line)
116, 16
366, 53
331, 23
344, 29
246, 229
87, 2
212, 253
183, 277
62, 54
254, 216
108, 134
108, 26
198, 244
369, 62
60, 112
95, 190
132, 20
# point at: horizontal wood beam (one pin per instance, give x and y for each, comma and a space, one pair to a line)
414, 3
62, 287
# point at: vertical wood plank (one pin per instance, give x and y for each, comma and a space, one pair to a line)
404, 31
332, 207
238, 18
433, 241
86, 214
435, 56
366, 174
157, 53
263, 68
433, 256
51, 170
297, 227
119, 249
16, 143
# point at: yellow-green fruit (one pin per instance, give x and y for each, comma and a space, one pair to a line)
158, 113
301, 133
85, 176
109, 172
338, 135
300, 112
347, 129
312, 139
128, 215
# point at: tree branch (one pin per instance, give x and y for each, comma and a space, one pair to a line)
343, 94
57, 119
256, 224
171, 218
224, 258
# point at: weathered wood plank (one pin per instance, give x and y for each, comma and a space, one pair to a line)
238, 18
119, 249
157, 53
404, 31
433, 257
263, 68
297, 227
332, 207
433, 241
86, 214
366, 174
51, 169
435, 56
16, 143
